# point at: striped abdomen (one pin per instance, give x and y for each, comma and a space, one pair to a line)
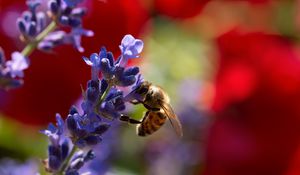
152, 121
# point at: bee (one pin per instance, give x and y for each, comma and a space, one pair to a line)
157, 103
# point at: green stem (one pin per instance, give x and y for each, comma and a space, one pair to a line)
101, 99
33, 44
67, 161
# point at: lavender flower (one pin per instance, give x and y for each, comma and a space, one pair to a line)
59, 37
17, 64
130, 48
133, 95
12, 69
113, 71
68, 16
66, 13
74, 37
85, 130
31, 23
38, 34
59, 150
102, 100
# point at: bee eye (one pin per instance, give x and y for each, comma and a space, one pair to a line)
142, 90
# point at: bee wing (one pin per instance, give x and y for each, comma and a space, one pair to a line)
173, 118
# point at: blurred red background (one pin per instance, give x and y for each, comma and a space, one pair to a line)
255, 109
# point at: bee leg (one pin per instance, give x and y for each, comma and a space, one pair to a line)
126, 118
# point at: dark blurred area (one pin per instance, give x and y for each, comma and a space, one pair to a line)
231, 68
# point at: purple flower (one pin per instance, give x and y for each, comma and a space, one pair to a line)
78, 160
72, 3
111, 70
132, 95
101, 100
55, 133
85, 130
65, 13
17, 64
75, 37
130, 48
52, 40
33, 4
12, 70
60, 37
58, 149
32, 22
113, 104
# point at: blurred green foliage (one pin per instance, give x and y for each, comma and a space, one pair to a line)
172, 54
20, 141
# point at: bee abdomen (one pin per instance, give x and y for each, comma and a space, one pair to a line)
151, 124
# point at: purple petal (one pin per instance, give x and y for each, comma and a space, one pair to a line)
139, 45
127, 40
17, 64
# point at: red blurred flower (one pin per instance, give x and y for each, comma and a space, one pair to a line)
257, 106
52, 83
179, 8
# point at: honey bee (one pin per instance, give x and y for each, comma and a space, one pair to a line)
157, 103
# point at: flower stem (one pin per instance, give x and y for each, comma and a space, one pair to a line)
67, 161
101, 99
33, 44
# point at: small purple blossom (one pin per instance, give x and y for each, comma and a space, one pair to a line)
130, 48
31, 23
12, 70
52, 40
85, 130
133, 95
33, 4
58, 149
17, 65
113, 104
112, 71
60, 37
66, 13
55, 132
74, 37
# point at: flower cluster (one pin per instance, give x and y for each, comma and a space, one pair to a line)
65, 13
37, 32
102, 100
59, 150
12, 70
31, 22
62, 12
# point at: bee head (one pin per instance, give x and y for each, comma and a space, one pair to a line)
139, 92
143, 88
